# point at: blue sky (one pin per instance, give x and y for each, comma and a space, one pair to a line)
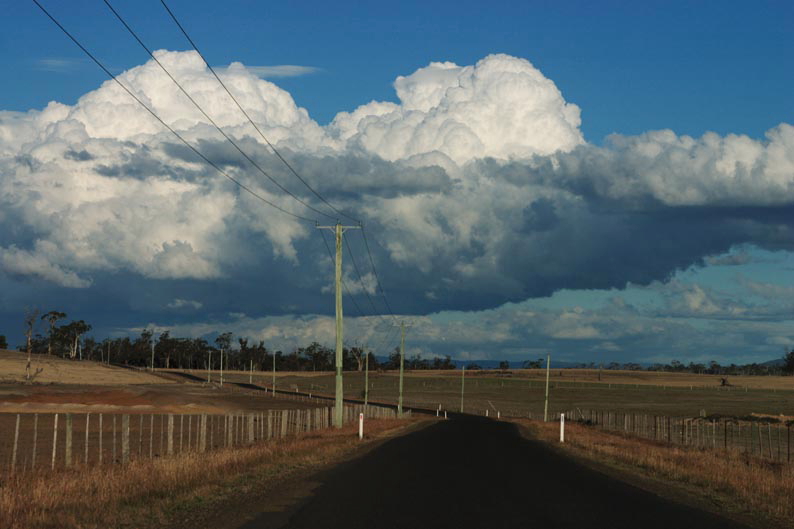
523, 232
632, 66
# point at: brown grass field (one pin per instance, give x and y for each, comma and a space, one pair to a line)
57, 370
750, 488
522, 393
181, 491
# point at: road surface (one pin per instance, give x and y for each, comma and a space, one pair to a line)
477, 473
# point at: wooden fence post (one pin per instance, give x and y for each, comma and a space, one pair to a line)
35, 439
203, 437
100, 438
284, 422
151, 436
16, 442
125, 439
114, 438
181, 431
250, 428
140, 437
68, 439
54, 439
87, 423
189, 430
170, 434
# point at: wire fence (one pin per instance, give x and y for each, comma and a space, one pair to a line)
763, 437
51, 441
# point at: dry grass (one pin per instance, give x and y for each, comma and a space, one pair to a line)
154, 493
61, 371
739, 482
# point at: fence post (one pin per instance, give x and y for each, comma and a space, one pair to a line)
16, 442
151, 435
100, 438
125, 439
140, 437
562, 427
170, 434
35, 439
68, 439
269, 424
54, 439
250, 428
181, 431
114, 438
203, 435
284, 422
87, 423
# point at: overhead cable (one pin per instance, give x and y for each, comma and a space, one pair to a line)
174, 132
251, 121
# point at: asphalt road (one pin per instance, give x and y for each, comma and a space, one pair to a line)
478, 473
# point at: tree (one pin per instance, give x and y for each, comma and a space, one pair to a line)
3, 342
358, 355
72, 333
224, 343
30, 321
52, 318
788, 363
533, 364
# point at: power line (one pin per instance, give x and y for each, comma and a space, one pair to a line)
375, 271
361, 280
251, 121
344, 285
278, 154
175, 133
228, 138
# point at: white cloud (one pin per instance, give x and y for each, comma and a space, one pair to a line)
476, 188
185, 304
58, 65
501, 107
281, 70
37, 264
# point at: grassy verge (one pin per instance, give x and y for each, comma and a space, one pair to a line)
174, 491
730, 482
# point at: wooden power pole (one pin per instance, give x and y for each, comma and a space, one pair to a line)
338, 230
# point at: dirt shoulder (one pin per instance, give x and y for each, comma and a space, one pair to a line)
671, 484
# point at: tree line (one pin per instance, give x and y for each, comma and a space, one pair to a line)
69, 340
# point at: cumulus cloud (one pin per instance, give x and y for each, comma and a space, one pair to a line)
501, 107
476, 188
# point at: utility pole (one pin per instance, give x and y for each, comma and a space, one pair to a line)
462, 385
403, 326
546, 406
274, 374
338, 230
209, 368
152, 356
251, 373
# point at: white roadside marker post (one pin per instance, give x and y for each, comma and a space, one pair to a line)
562, 427
360, 425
